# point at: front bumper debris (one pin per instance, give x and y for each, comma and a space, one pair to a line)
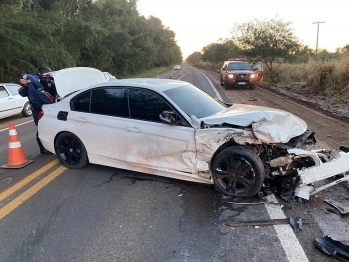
324, 168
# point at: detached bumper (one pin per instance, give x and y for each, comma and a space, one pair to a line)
320, 171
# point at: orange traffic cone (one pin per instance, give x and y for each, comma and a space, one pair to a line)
16, 157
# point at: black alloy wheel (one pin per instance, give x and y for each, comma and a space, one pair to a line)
238, 172
70, 151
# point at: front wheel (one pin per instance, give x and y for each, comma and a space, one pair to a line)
252, 86
70, 150
27, 110
238, 172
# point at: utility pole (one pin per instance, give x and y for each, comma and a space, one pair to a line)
317, 35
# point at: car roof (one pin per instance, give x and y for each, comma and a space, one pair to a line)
77, 78
148, 83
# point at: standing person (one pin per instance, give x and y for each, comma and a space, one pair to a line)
33, 86
47, 82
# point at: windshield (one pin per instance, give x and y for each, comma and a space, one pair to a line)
194, 101
239, 66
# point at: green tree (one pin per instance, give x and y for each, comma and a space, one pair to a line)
266, 40
194, 58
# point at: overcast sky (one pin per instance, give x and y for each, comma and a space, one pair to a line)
201, 22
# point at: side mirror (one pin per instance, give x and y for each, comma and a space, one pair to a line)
168, 117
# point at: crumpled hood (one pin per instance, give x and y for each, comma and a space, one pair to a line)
269, 125
72, 79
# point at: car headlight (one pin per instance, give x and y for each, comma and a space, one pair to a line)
230, 76
252, 76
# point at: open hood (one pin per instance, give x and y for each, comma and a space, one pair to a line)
268, 124
72, 79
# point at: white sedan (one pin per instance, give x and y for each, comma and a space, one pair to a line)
174, 129
11, 103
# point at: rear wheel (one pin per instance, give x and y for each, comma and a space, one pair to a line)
27, 110
238, 172
70, 150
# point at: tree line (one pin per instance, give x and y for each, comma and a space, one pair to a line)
268, 41
106, 34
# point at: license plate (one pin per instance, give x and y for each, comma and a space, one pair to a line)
242, 83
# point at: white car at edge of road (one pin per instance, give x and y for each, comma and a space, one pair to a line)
11, 103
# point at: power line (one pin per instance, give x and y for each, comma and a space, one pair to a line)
317, 35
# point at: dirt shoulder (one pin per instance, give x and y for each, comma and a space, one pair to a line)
299, 93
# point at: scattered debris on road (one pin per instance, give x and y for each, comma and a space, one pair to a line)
333, 248
296, 223
271, 222
343, 209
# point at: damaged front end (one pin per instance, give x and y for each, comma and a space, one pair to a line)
292, 170
280, 139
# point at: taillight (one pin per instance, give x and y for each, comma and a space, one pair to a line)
41, 114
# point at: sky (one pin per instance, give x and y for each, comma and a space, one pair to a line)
198, 23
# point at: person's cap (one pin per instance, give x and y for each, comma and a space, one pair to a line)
44, 71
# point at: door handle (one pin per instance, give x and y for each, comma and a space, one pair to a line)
81, 119
133, 129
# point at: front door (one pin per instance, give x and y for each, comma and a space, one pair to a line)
258, 69
152, 143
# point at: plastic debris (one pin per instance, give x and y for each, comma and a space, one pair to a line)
341, 207
296, 223
333, 248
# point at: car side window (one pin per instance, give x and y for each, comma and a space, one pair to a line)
13, 89
146, 105
81, 102
109, 101
3, 92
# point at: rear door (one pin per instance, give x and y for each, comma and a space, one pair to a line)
99, 119
258, 69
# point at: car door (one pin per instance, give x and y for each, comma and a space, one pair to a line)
258, 69
152, 143
99, 120
8, 104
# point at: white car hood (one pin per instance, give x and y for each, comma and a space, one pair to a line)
75, 78
269, 125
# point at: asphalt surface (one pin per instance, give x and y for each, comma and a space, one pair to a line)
106, 214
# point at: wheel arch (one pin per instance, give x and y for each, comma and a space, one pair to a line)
69, 131
220, 149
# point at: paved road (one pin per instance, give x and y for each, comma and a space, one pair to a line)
106, 214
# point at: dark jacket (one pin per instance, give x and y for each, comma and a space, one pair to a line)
35, 91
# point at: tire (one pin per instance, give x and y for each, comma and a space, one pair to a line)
71, 151
238, 172
27, 110
252, 87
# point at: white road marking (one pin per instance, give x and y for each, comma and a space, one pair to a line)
289, 242
1, 130
212, 86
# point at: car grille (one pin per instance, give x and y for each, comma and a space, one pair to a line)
241, 76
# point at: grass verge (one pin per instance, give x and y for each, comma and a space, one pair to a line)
152, 72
